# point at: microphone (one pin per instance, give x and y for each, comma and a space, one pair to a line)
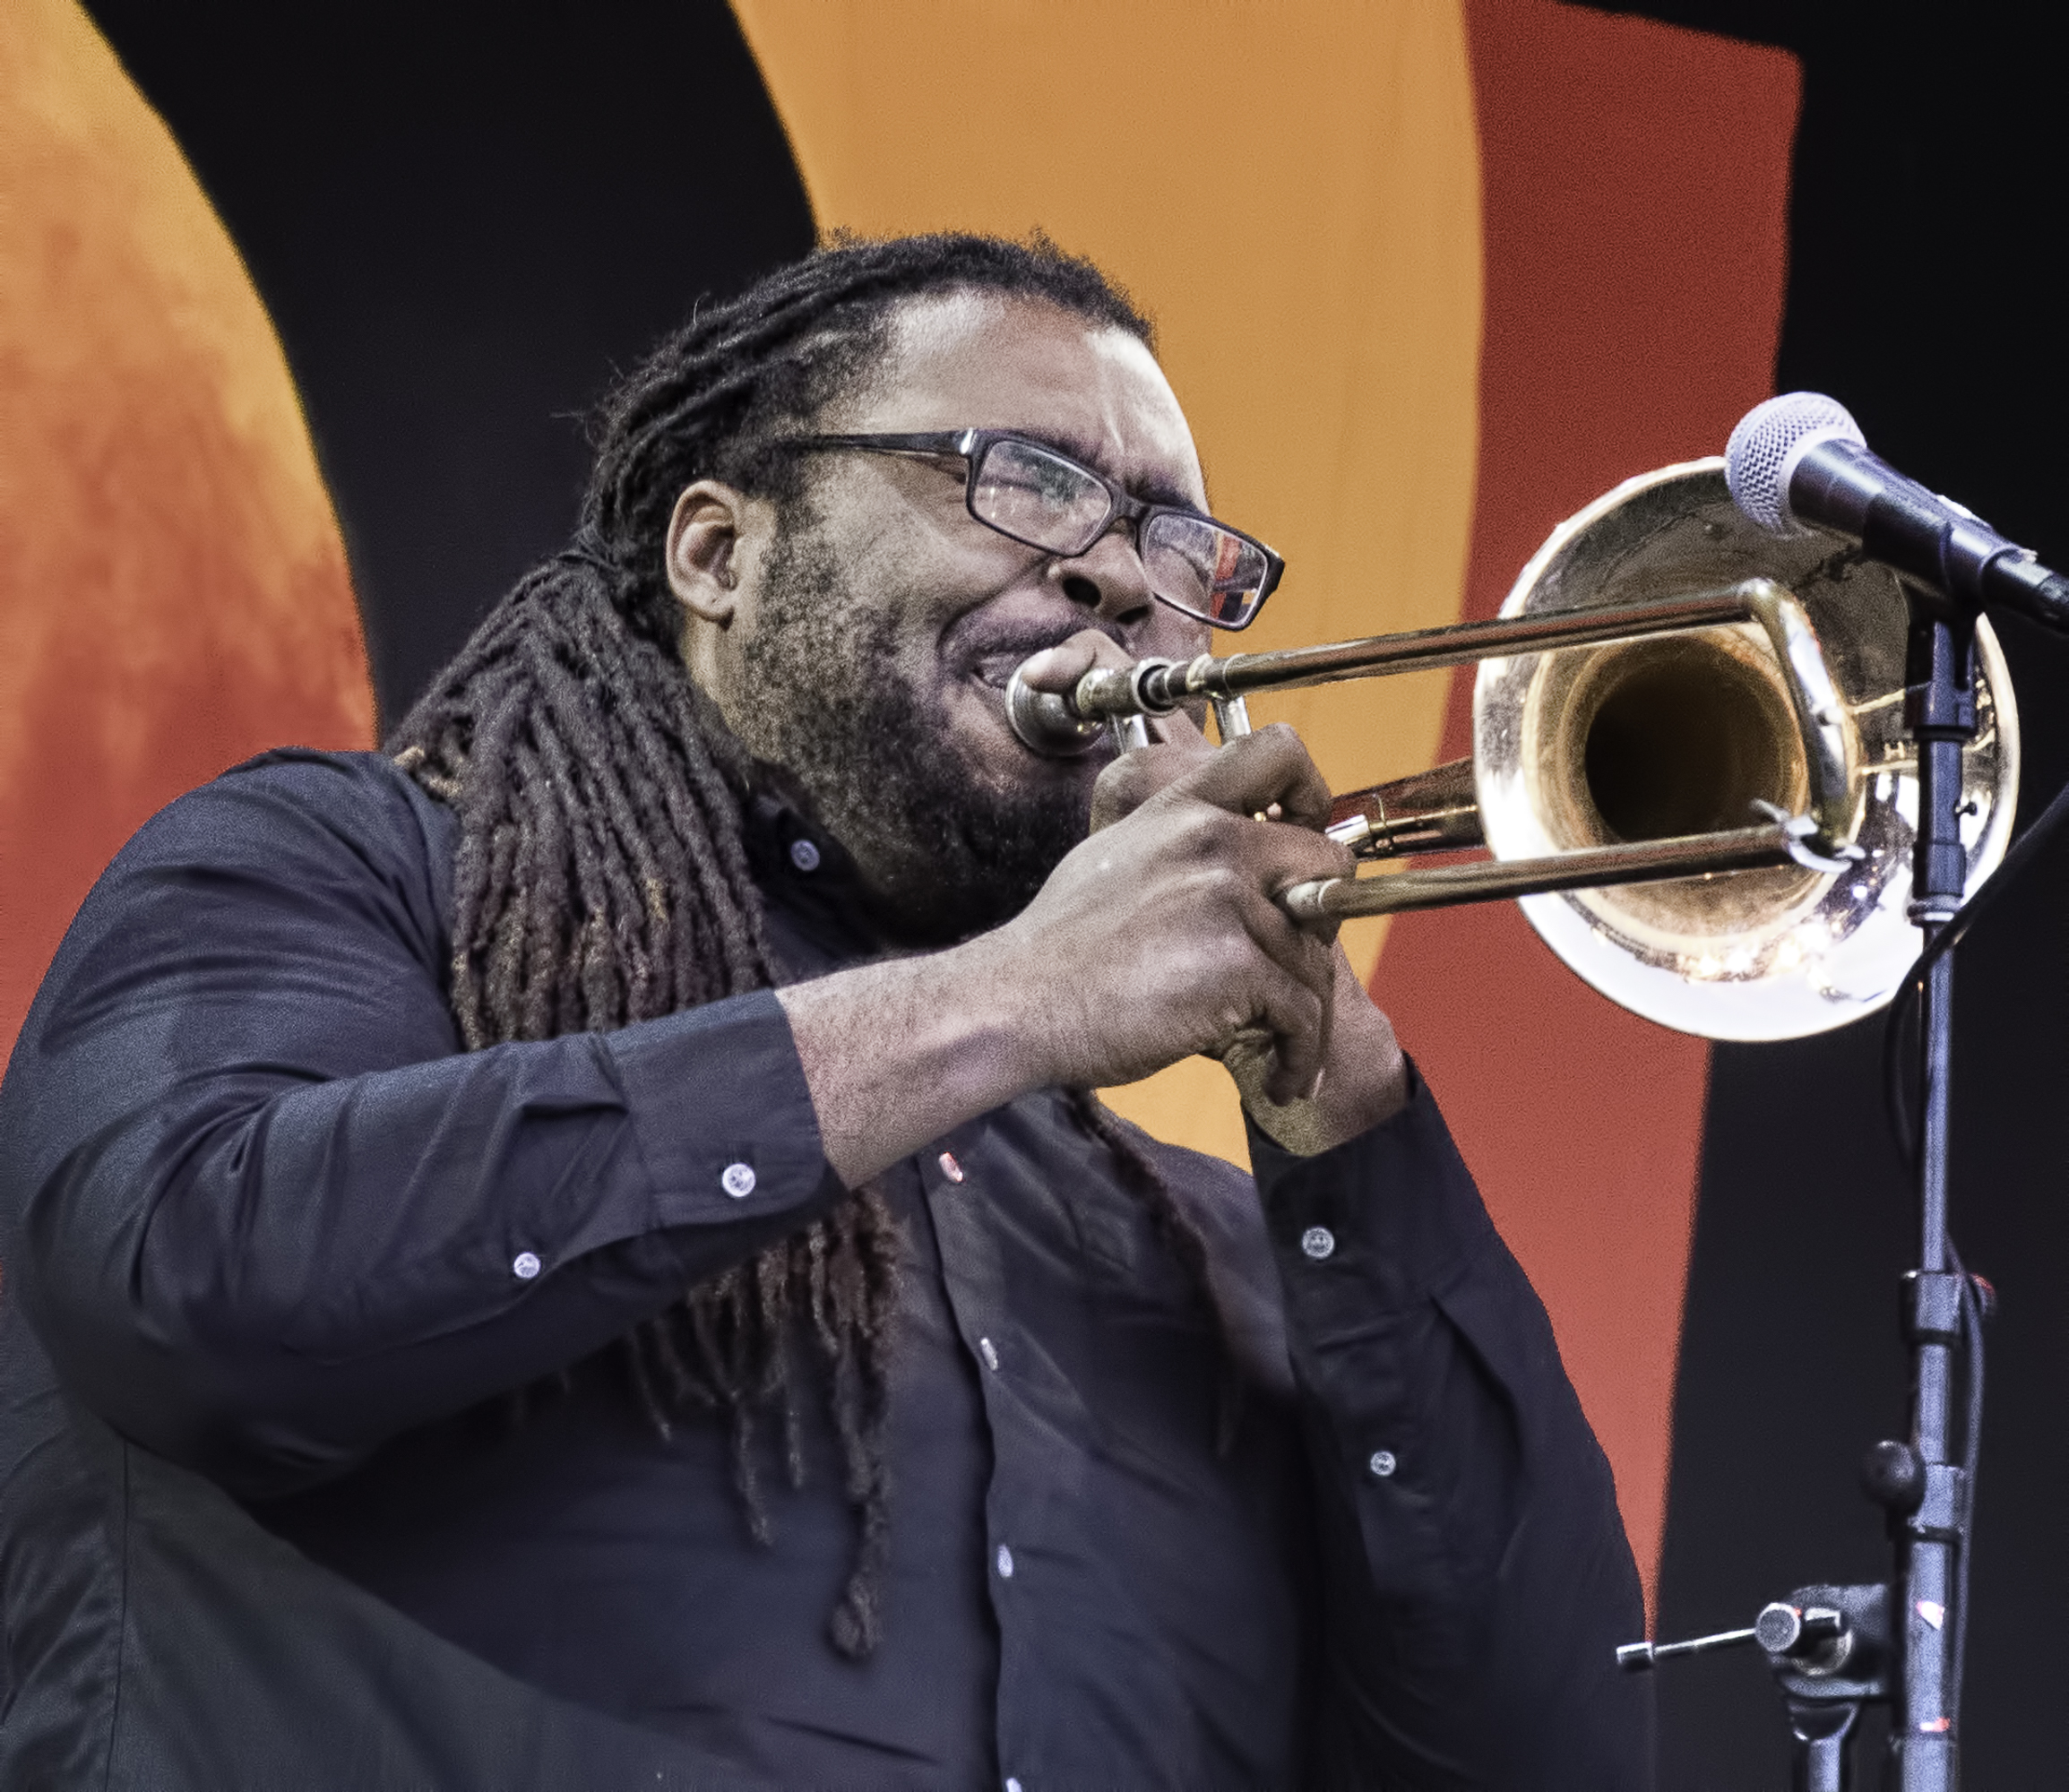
1799, 462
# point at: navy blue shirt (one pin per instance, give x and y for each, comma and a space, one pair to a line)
274, 1249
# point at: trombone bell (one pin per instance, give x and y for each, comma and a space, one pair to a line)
1582, 750
1678, 734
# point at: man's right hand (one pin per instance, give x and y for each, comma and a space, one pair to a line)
1156, 939
1159, 937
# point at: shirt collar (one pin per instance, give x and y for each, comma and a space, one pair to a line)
812, 892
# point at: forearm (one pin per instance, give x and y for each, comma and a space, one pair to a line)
1477, 1572
266, 1277
901, 1051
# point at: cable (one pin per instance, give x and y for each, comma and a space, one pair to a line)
1904, 1012
1971, 1459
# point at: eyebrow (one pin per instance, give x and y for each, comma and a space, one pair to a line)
1150, 488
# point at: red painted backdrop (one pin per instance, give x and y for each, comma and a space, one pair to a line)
1634, 182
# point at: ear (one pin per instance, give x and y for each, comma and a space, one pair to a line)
702, 552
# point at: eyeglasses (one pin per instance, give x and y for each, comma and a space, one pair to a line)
1033, 495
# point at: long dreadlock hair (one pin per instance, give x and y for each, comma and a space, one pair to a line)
600, 876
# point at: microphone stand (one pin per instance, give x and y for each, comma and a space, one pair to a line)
1926, 1492
1834, 1649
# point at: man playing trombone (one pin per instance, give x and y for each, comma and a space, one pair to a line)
579, 1250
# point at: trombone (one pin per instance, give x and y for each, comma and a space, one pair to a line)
1688, 761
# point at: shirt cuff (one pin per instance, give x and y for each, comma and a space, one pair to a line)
721, 1113
1375, 1225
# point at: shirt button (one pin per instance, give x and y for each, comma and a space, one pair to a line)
950, 1167
1383, 1463
524, 1265
1004, 1562
989, 1355
1318, 1242
803, 854
737, 1180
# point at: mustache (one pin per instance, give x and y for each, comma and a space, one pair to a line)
1027, 642
993, 658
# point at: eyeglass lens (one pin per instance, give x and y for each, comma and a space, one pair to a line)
1048, 502
1039, 498
1203, 570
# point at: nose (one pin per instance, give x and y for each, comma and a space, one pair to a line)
1108, 578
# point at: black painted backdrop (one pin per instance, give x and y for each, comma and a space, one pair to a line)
1930, 176
464, 216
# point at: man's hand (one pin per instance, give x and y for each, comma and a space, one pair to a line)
1157, 939
1364, 1077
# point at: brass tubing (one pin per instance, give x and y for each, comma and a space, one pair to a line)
1434, 811
1158, 687
1152, 685
1591, 867
1424, 648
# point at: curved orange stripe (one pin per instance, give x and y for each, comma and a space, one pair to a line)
1292, 191
173, 590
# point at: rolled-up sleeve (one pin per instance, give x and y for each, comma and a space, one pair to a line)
262, 1210
1477, 1578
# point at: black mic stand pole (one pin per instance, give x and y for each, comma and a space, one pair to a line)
1926, 1494
1940, 716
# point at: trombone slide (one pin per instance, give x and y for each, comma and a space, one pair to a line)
1064, 725
1601, 774
1444, 886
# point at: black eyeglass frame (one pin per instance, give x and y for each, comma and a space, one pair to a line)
970, 446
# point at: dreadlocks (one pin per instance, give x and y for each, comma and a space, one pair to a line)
600, 876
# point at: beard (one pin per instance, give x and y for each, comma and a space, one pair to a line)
943, 851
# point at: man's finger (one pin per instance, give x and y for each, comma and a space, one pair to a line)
1258, 770
1277, 858
1298, 1021
1297, 952
1132, 779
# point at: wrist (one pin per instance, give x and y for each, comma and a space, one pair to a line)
897, 1052
1005, 1039
1364, 1078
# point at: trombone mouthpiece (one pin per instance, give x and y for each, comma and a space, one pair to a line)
1062, 728
1046, 722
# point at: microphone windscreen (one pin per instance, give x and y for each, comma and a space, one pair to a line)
1759, 456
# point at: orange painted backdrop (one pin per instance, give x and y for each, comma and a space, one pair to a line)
173, 591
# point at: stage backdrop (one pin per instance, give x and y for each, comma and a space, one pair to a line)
173, 592
1427, 279
1430, 277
